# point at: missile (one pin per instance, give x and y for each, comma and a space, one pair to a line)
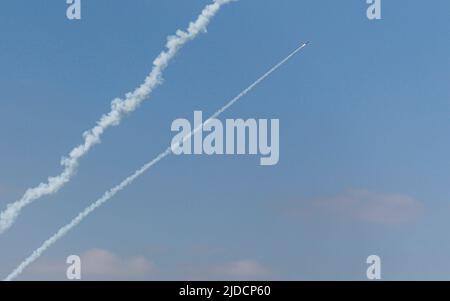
303, 44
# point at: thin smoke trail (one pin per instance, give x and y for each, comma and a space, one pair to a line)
112, 192
119, 108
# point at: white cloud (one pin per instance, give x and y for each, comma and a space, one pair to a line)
241, 269
235, 270
364, 206
103, 263
96, 264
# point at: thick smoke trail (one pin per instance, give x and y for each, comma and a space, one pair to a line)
119, 108
112, 192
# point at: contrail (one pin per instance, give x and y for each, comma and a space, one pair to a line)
119, 108
112, 192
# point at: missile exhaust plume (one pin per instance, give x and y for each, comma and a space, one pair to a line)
119, 109
112, 192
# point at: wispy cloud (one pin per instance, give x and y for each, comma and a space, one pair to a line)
102, 263
234, 270
240, 270
362, 206
97, 264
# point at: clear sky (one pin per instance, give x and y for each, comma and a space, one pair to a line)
365, 136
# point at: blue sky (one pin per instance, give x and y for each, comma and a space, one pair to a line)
364, 117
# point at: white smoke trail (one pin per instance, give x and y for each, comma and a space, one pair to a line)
119, 108
112, 192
